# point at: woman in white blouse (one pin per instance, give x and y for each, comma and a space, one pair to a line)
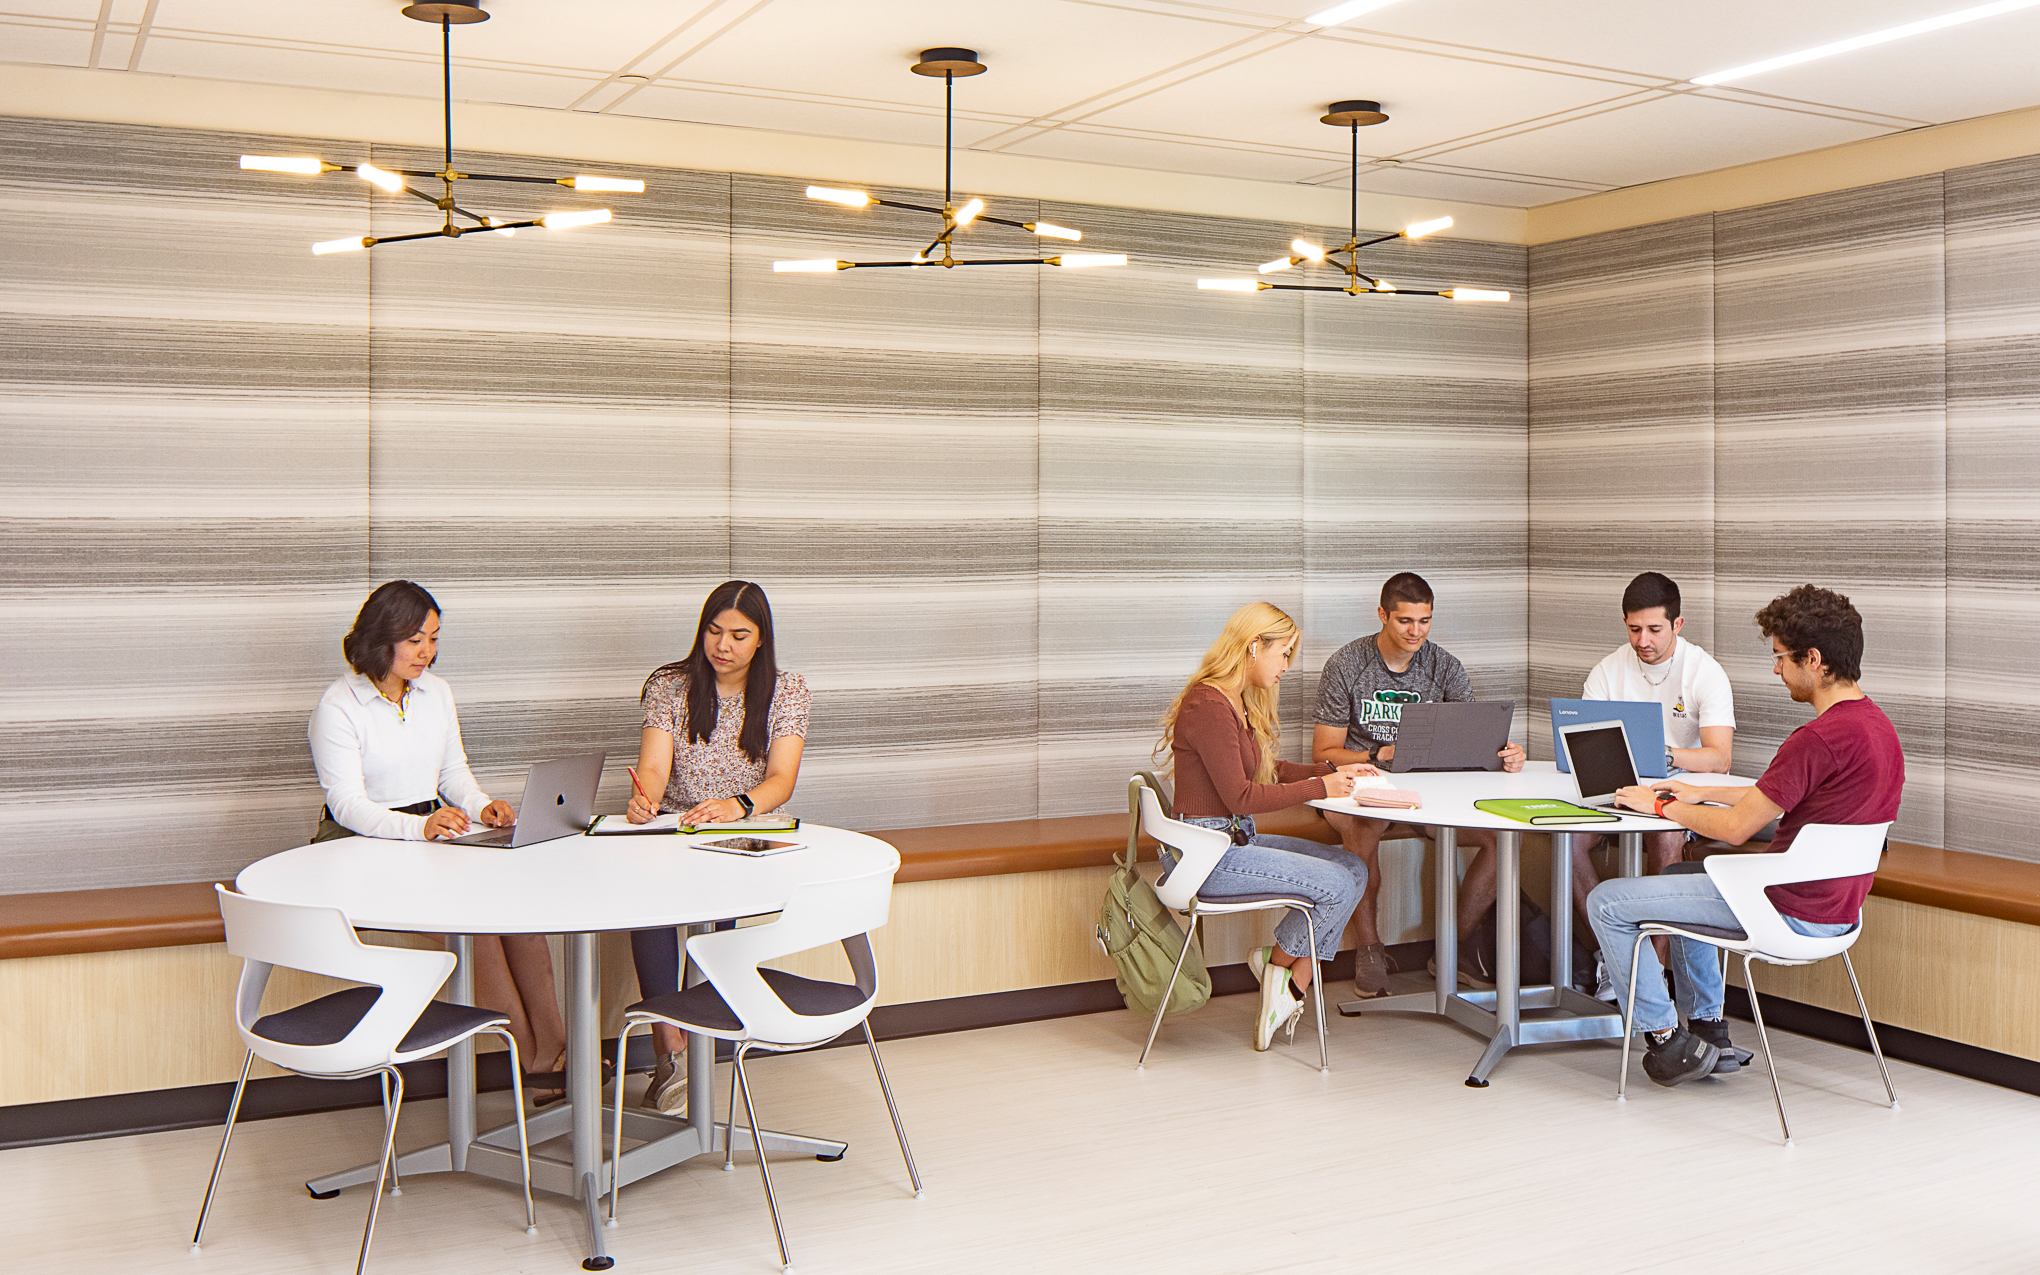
386, 742
723, 733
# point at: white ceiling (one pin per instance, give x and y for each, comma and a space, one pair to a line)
1504, 102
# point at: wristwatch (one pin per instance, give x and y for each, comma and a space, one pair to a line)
1664, 799
744, 800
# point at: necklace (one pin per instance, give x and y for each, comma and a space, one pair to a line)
1643, 668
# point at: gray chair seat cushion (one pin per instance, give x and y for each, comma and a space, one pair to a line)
1253, 898
327, 1020
702, 1006
1726, 933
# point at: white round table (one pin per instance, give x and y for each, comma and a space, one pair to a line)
576, 886
1557, 1012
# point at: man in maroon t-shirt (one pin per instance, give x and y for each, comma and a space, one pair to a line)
1844, 766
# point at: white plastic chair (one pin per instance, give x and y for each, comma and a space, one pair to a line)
1820, 852
1198, 851
346, 1035
775, 1011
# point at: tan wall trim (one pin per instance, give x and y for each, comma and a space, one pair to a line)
1913, 153
122, 97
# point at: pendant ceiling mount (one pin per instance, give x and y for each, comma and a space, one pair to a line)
1356, 113
951, 64
447, 14
1352, 115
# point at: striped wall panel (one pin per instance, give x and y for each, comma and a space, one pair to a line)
184, 520
1993, 255
1622, 443
1829, 453
1416, 442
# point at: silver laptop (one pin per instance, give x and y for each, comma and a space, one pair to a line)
559, 801
1598, 754
1461, 736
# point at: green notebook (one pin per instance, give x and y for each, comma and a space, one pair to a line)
1543, 810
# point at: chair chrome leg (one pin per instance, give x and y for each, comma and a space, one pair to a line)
1871, 1028
729, 1141
1317, 986
523, 1136
1163, 1007
1629, 1020
233, 1110
616, 1128
389, 1150
892, 1107
396, 1179
758, 1142
1764, 1039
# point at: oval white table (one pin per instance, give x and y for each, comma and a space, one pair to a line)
580, 887
1555, 1011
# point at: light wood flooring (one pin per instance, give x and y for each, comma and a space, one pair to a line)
1043, 1149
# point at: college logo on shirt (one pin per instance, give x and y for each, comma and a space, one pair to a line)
1386, 706
1679, 708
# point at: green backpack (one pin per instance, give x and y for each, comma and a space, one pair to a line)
1140, 934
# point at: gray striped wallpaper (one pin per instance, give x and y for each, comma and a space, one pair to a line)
1838, 390
999, 512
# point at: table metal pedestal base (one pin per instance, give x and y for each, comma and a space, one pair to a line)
1510, 1015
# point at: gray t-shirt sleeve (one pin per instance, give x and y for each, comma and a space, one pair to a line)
1454, 686
1335, 696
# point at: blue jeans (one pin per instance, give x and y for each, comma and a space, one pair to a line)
1619, 907
1330, 878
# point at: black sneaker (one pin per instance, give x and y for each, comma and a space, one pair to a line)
1715, 1033
1678, 1059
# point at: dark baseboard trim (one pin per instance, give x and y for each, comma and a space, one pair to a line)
1969, 1061
195, 1106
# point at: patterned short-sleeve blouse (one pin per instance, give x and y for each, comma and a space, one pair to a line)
717, 768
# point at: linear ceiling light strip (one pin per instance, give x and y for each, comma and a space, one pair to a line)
448, 14
1853, 43
1353, 115
949, 64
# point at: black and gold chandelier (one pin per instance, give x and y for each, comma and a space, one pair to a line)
448, 14
1352, 115
949, 64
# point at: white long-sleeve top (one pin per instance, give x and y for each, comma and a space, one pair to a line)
370, 758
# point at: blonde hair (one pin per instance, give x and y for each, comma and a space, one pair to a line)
1223, 666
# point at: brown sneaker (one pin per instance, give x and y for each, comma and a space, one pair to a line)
1371, 971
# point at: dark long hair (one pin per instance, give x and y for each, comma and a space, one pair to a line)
698, 675
392, 613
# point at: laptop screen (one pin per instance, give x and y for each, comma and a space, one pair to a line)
1600, 759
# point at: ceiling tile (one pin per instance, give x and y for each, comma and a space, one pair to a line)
1503, 189
1041, 56
1979, 68
603, 35
366, 73
1168, 156
1676, 41
1663, 138
789, 113
41, 45
79, 10
1276, 98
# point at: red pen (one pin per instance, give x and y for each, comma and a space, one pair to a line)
632, 772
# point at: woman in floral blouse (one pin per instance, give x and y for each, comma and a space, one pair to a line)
723, 732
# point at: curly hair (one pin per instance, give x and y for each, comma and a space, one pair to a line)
1812, 619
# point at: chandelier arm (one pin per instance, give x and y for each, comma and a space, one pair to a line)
419, 194
939, 265
1304, 287
894, 203
477, 218
1001, 221
1377, 239
948, 130
500, 177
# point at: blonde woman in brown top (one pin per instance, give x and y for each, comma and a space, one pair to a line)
1222, 734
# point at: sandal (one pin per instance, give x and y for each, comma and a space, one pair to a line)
548, 1087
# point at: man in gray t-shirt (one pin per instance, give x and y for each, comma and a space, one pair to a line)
1359, 712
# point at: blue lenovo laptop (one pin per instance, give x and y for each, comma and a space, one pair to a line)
1643, 721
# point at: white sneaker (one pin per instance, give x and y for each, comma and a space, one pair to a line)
1604, 987
668, 1090
1279, 1006
1257, 961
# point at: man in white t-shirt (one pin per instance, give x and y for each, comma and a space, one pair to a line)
1699, 708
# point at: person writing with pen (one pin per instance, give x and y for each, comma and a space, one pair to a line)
723, 733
